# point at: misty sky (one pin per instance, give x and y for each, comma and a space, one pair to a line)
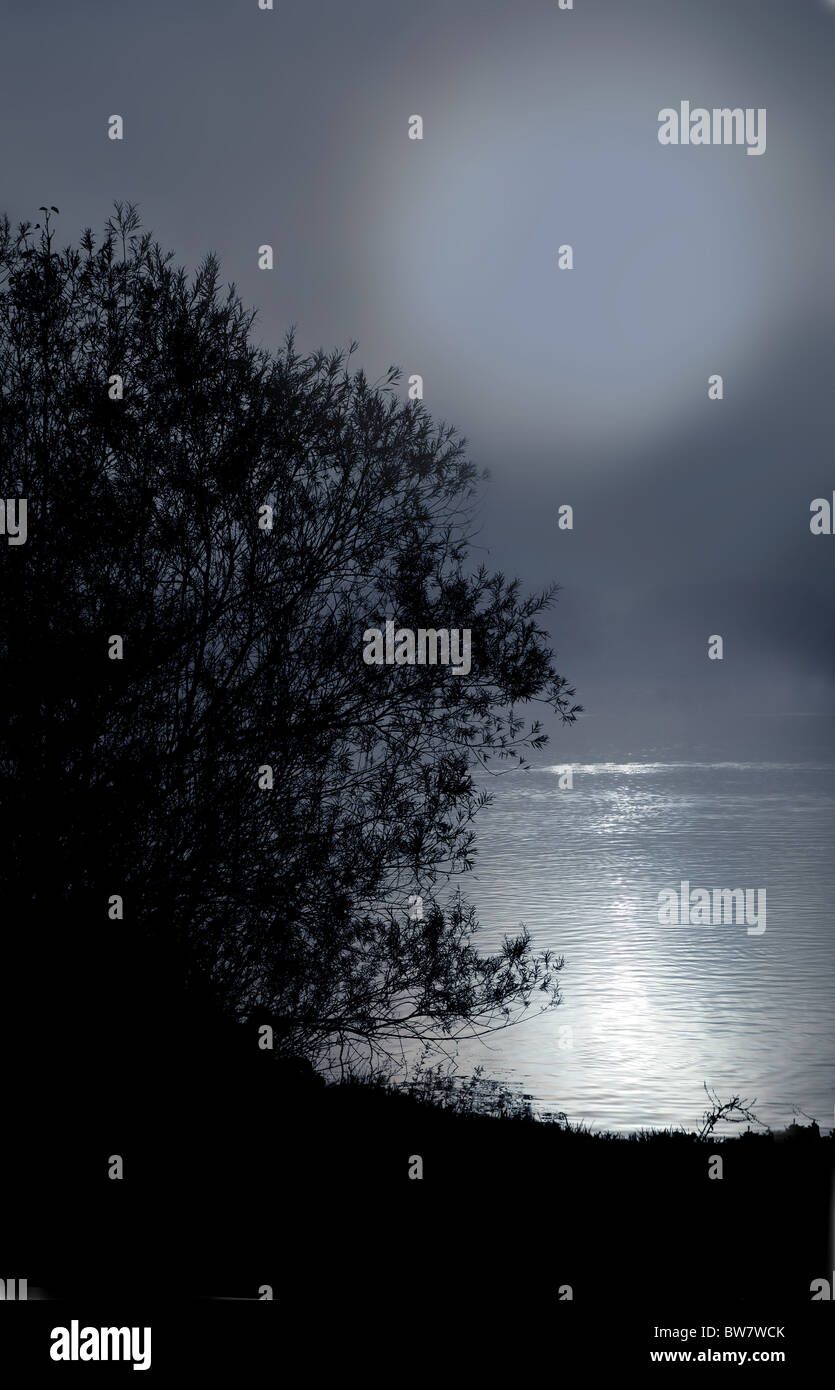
587, 387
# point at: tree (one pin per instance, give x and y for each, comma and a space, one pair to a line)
239, 517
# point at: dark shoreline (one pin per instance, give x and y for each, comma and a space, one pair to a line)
236, 1183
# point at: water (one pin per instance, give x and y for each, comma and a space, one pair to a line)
651, 1012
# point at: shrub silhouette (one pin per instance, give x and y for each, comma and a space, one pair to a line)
242, 649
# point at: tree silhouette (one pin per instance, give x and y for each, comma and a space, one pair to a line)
151, 435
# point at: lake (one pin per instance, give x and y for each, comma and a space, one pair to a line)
652, 1011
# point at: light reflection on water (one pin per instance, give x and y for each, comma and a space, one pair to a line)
654, 1011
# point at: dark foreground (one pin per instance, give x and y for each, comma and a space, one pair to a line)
241, 1180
